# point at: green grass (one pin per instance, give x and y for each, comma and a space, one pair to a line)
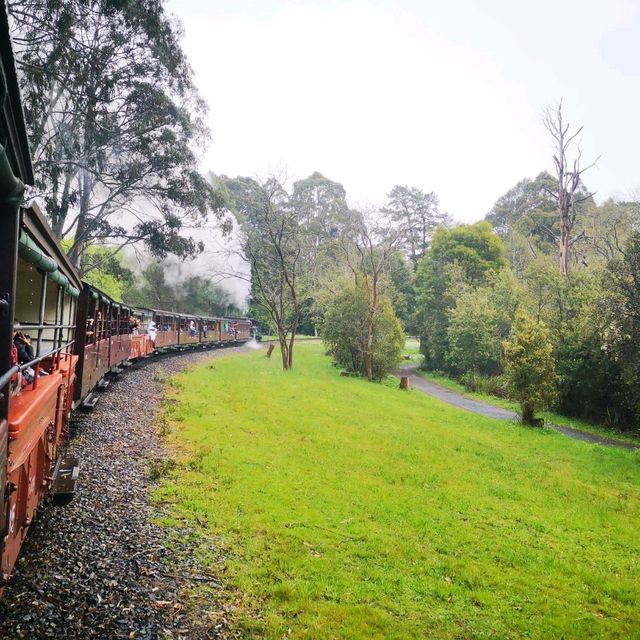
549, 416
339, 508
299, 336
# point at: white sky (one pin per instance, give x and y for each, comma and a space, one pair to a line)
442, 95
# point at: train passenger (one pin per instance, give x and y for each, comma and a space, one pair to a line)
234, 329
90, 333
134, 324
22, 343
152, 330
205, 328
16, 379
192, 328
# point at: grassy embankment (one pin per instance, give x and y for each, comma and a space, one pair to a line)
346, 509
413, 349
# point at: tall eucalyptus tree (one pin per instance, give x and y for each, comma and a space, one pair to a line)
114, 119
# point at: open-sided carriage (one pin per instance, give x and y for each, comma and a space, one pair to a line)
59, 337
38, 293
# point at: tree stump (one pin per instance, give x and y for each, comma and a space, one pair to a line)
270, 350
404, 383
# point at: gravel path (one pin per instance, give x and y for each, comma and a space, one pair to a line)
490, 411
98, 567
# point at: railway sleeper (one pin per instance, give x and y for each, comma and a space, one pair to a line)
89, 403
65, 479
103, 384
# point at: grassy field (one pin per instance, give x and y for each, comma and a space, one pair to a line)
339, 508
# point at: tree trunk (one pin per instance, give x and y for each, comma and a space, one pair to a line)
369, 354
564, 246
294, 327
528, 415
81, 229
284, 350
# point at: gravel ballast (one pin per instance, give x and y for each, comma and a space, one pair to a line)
100, 567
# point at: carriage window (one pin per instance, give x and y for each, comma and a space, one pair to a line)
28, 292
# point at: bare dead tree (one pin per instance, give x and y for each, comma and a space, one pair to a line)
368, 249
569, 175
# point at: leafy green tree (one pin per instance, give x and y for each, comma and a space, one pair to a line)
403, 293
113, 117
464, 255
529, 369
418, 214
345, 332
472, 332
274, 245
620, 315
153, 291
479, 322
108, 272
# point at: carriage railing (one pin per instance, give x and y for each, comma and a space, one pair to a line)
57, 356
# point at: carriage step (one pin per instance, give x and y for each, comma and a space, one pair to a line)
103, 385
65, 480
89, 403
126, 363
114, 371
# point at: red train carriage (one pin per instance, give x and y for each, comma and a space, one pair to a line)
38, 292
167, 325
93, 339
145, 333
121, 344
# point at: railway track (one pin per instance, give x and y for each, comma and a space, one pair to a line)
101, 567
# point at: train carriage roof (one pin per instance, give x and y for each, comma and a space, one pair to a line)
41, 240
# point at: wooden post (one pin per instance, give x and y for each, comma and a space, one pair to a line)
270, 350
404, 383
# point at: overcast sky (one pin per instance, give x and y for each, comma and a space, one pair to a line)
442, 95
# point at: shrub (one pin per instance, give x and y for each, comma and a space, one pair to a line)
529, 369
344, 330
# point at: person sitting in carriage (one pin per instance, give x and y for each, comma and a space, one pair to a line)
22, 343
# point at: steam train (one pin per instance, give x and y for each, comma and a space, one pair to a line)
73, 335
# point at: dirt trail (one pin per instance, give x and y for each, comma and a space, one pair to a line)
490, 411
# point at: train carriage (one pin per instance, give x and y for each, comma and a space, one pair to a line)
189, 330
142, 344
38, 293
58, 336
167, 325
210, 331
120, 338
93, 339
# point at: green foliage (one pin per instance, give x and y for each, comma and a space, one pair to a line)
529, 369
344, 330
620, 325
194, 294
464, 255
342, 509
417, 213
474, 344
403, 293
113, 118
475, 247
105, 269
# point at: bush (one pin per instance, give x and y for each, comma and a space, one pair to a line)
489, 385
344, 330
529, 369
